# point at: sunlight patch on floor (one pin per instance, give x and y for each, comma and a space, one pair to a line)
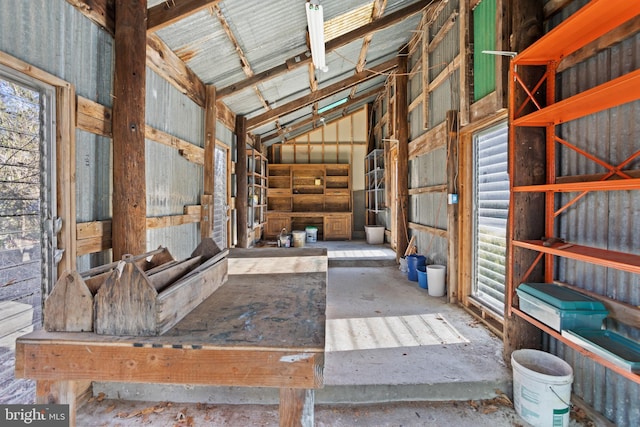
390, 332
359, 253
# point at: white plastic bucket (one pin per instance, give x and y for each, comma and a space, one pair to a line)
436, 275
374, 234
541, 387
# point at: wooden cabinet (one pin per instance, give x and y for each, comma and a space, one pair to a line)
337, 227
301, 195
562, 194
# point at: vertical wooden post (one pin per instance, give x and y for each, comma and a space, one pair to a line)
525, 219
66, 174
206, 223
241, 177
62, 392
129, 185
402, 132
296, 407
452, 209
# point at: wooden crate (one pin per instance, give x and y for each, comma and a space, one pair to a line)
137, 296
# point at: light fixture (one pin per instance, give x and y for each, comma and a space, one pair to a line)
500, 53
315, 23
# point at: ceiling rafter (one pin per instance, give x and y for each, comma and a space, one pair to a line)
305, 57
376, 13
298, 125
309, 99
244, 61
171, 11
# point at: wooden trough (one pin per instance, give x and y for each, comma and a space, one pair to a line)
140, 295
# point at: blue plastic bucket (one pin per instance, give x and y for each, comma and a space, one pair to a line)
413, 262
422, 276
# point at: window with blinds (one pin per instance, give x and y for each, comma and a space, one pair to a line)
490, 208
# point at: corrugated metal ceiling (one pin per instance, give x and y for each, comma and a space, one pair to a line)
213, 41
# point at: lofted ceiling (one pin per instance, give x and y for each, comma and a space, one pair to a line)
256, 54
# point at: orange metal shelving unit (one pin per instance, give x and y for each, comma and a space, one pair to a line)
586, 25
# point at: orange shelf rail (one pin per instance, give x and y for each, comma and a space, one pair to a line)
615, 92
620, 260
592, 21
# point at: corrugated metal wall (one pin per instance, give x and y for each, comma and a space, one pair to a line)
172, 181
429, 208
608, 220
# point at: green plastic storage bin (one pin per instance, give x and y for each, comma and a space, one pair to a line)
561, 308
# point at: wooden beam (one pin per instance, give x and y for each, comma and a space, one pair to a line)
452, 209
292, 127
296, 407
95, 236
527, 22
96, 118
402, 134
331, 45
170, 67
160, 58
101, 12
428, 229
206, 227
241, 182
169, 12
129, 184
93, 117
321, 94
66, 174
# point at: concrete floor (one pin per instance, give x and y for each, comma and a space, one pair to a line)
395, 356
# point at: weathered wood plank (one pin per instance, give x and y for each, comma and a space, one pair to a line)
296, 407
69, 307
94, 117
129, 227
181, 297
166, 63
167, 13
161, 278
230, 366
206, 225
189, 151
402, 134
66, 174
126, 303
242, 186
63, 392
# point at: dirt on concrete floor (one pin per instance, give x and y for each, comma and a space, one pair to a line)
495, 412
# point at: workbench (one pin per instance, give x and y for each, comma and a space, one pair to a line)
265, 327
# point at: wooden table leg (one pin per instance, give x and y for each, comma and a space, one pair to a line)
64, 392
296, 407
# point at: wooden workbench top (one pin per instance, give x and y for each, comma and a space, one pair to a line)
274, 298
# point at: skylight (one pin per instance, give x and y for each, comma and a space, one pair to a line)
347, 22
332, 105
